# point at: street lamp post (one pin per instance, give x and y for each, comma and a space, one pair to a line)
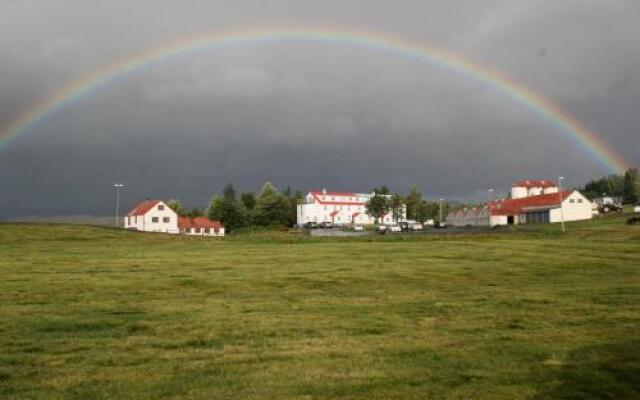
560, 179
117, 186
440, 221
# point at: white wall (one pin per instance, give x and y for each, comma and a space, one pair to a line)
575, 207
518, 192
212, 232
317, 212
160, 218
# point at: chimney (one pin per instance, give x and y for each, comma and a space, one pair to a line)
324, 191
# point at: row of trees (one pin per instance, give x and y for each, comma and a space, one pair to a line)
269, 208
625, 186
418, 208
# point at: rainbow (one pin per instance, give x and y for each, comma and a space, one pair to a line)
552, 113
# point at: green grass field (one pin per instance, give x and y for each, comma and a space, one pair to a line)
96, 313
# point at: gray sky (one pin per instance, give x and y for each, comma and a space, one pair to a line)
307, 114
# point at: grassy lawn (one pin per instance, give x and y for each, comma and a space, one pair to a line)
96, 313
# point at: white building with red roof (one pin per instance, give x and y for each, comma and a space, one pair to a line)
152, 216
531, 202
339, 208
157, 216
200, 226
535, 187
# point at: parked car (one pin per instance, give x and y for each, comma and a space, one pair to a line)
440, 225
607, 208
417, 227
636, 209
394, 228
608, 204
404, 226
357, 228
325, 225
311, 225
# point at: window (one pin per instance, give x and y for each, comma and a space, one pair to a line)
579, 200
128, 220
166, 219
572, 200
197, 230
161, 207
188, 230
207, 230
154, 219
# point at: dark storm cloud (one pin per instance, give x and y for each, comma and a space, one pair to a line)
308, 114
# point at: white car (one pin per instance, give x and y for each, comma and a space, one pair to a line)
417, 227
394, 228
636, 209
358, 228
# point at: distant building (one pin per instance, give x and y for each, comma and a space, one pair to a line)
528, 188
531, 202
157, 216
340, 208
200, 226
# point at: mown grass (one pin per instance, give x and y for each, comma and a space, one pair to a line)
95, 313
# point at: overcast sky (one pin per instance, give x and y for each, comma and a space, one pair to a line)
307, 114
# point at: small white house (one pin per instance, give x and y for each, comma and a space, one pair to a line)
157, 216
340, 208
152, 216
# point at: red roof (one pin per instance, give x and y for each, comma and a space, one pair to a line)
198, 222
534, 183
143, 207
316, 195
320, 193
517, 206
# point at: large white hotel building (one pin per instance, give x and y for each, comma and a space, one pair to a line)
340, 208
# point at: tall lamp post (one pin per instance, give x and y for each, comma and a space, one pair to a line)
440, 221
489, 206
560, 179
118, 186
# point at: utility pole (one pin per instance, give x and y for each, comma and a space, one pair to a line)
117, 186
440, 221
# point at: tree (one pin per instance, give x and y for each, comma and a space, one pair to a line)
414, 203
382, 190
229, 192
272, 208
176, 206
378, 205
249, 200
228, 209
214, 211
396, 204
611, 185
294, 199
421, 211
195, 212
631, 186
